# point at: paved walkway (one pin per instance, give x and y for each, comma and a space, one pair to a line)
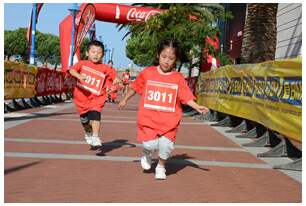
47, 160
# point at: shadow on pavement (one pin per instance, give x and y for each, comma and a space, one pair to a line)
34, 116
17, 168
109, 146
175, 164
179, 162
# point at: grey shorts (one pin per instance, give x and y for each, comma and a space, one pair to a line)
162, 144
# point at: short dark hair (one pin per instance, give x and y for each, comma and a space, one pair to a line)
172, 43
95, 43
110, 61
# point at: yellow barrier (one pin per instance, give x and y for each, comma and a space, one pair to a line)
19, 80
269, 93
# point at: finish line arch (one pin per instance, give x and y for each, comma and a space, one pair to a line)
116, 13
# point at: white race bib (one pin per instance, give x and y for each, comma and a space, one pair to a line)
160, 96
94, 80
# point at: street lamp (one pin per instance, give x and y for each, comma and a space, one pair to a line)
73, 10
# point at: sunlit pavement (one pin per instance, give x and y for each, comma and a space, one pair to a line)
47, 160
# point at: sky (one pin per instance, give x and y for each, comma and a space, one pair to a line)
18, 15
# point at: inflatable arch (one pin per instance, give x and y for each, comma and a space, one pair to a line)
116, 13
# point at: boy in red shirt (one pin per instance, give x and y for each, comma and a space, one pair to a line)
90, 92
162, 91
125, 80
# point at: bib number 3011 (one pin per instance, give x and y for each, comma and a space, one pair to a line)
93, 82
160, 96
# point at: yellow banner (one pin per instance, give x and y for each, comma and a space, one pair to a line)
19, 80
269, 93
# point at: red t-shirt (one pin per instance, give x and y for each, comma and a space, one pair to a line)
90, 94
160, 109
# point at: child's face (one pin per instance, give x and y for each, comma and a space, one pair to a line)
95, 54
167, 59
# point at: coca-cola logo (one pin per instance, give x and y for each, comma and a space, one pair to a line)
138, 15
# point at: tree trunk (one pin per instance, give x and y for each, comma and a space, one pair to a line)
259, 38
180, 67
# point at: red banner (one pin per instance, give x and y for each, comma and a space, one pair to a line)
49, 82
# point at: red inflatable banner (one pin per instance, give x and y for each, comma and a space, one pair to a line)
116, 13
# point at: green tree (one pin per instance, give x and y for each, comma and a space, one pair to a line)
15, 43
259, 39
48, 48
189, 23
83, 48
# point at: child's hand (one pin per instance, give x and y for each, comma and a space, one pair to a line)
82, 77
116, 81
202, 109
122, 104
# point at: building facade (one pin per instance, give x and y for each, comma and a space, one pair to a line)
289, 31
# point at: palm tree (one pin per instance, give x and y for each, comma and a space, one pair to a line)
259, 39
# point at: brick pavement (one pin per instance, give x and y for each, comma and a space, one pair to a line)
47, 160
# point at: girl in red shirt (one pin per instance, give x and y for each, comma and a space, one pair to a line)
162, 91
90, 92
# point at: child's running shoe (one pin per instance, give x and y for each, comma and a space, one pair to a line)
160, 172
96, 141
88, 138
146, 162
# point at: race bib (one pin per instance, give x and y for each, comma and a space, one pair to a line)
94, 80
160, 96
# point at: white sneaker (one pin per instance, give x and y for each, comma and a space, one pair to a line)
146, 162
160, 173
88, 138
96, 141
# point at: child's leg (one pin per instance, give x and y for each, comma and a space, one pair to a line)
87, 127
95, 117
148, 149
86, 123
165, 147
95, 127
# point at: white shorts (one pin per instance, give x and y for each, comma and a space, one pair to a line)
162, 144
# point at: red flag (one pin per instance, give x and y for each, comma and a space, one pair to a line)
29, 32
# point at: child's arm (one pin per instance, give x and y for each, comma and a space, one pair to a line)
199, 108
77, 74
129, 94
